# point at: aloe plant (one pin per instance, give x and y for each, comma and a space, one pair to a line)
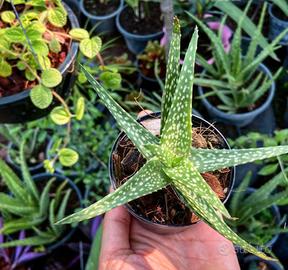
170, 159
234, 78
26, 208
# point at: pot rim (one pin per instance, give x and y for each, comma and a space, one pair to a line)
72, 52
130, 35
131, 210
270, 10
104, 17
59, 177
247, 114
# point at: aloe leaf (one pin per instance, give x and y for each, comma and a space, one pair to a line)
220, 53
207, 160
63, 205
210, 69
13, 182
195, 183
282, 4
45, 198
177, 132
207, 213
26, 174
248, 26
135, 132
148, 179
172, 72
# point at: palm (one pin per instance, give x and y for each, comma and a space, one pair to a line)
127, 245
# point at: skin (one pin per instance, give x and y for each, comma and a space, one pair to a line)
127, 245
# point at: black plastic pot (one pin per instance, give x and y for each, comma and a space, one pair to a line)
253, 259
160, 228
277, 26
60, 178
135, 43
35, 169
18, 108
239, 119
281, 249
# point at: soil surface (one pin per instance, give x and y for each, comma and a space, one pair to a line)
150, 24
97, 8
164, 206
17, 82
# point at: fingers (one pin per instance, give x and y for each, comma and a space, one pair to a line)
116, 230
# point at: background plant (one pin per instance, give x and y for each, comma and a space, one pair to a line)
236, 79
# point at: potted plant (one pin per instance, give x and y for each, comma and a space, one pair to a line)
151, 64
34, 205
170, 158
102, 12
38, 54
238, 87
139, 22
278, 12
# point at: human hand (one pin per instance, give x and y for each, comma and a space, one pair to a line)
127, 245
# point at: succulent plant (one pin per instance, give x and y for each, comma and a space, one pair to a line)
171, 160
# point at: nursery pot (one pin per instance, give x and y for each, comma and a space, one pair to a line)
106, 22
19, 108
136, 43
277, 25
239, 119
44, 177
154, 127
253, 259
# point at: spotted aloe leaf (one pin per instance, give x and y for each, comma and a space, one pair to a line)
195, 183
207, 160
207, 212
177, 132
172, 73
148, 179
136, 132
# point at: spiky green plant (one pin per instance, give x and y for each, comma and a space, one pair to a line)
170, 159
235, 78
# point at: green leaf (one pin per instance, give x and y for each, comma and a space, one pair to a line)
44, 62
210, 160
63, 205
111, 80
135, 132
80, 108
172, 72
60, 116
148, 179
282, 4
57, 17
41, 96
235, 13
40, 47
207, 213
268, 169
51, 77
49, 165
15, 35
13, 182
55, 45
195, 183
45, 198
90, 47
177, 132
68, 157
79, 33
5, 69
8, 16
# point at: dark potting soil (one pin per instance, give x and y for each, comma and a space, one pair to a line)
17, 82
150, 24
97, 8
277, 12
164, 206
7, 266
149, 72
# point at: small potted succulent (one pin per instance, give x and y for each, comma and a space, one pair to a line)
138, 22
237, 88
102, 12
34, 205
38, 50
168, 158
278, 12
